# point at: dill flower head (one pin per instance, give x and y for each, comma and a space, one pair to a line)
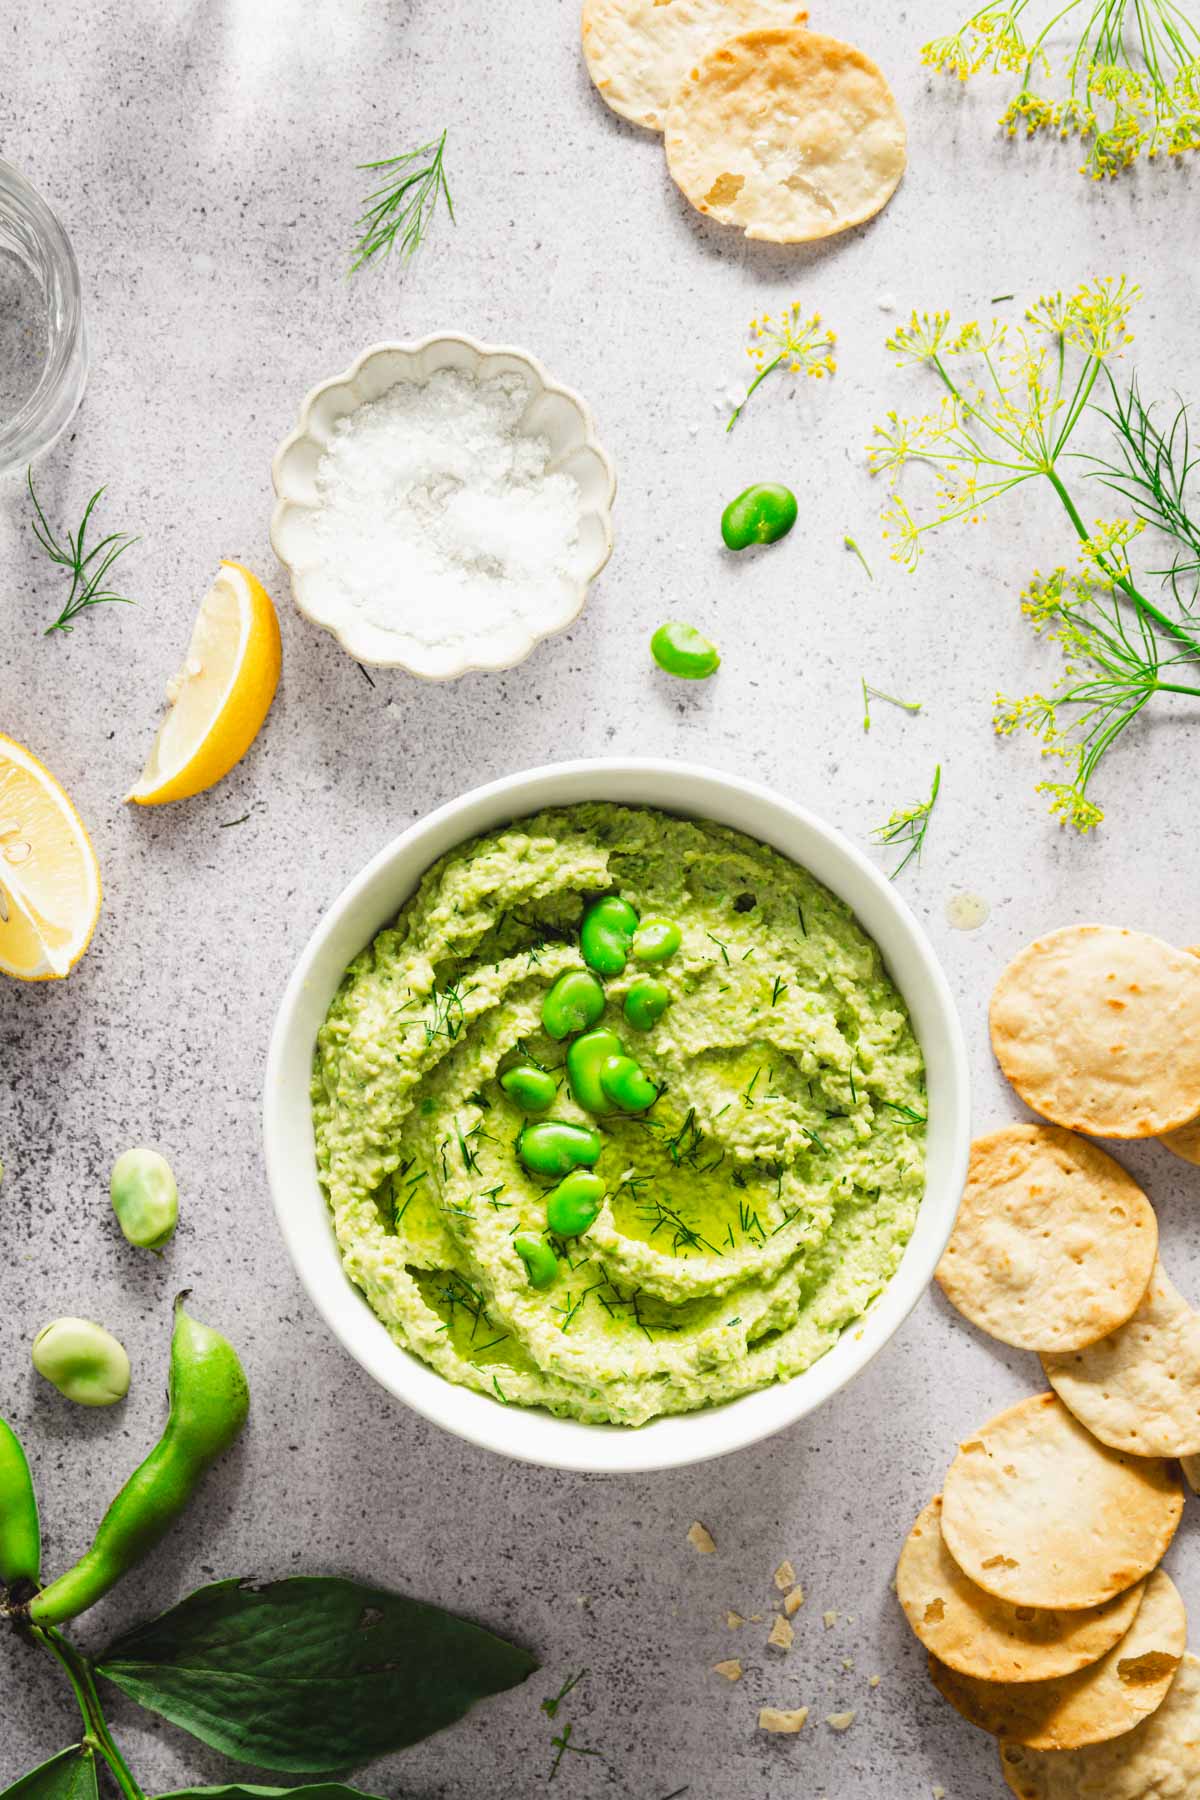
803, 345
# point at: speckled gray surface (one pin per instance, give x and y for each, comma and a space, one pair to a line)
202, 156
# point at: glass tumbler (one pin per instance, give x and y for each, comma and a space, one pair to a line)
43, 347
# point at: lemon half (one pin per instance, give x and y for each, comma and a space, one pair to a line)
218, 700
49, 877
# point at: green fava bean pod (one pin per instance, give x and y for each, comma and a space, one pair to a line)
627, 1084
86, 1363
541, 1264
586, 1055
760, 515
606, 933
574, 1002
656, 940
144, 1198
20, 1530
534, 1090
209, 1402
555, 1147
682, 650
646, 1002
572, 1206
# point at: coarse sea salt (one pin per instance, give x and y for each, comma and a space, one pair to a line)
441, 522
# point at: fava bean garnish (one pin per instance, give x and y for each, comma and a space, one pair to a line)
682, 650
760, 515
534, 1090
83, 1361
585, 1057
145, 1198
541, 1264
627, 1085
556, 1146
572, 1206
656, 940
20, 1530
646, 1002
606, 933
209, 1403
574, 1002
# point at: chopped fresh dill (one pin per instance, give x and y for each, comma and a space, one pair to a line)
367, 678
779, 988
720, 946
997, 298
87, 575
398, 214
874, 693
803, 926
550, 1706
906, 1112
227, 824
908, 825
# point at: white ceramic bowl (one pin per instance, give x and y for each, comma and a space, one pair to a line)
554, 412
373, 898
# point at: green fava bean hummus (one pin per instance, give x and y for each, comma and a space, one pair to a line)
750, 1215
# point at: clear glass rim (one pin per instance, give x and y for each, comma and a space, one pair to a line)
49, 407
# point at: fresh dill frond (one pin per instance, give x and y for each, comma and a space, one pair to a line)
1153, 474
399, 213
909, 824
873, 693
551, 1705
87, 574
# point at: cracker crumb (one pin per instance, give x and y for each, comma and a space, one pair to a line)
793, 1601
848, 1664
939, 1793
770, 1718
731, 1669
785, 1576
756, 1618
701, 1539
734, 1621
831, 1619
782, 1635
875, 1681
840, 1721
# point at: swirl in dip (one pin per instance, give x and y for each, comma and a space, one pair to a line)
750, 1214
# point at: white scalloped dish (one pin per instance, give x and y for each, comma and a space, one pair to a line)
552, 414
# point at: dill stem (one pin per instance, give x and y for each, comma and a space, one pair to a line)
1122, 581
761, 376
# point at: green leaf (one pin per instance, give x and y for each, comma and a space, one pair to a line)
245, 1790
71, 1775
311, 1673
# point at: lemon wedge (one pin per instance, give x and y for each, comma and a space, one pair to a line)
49, 877
218, 700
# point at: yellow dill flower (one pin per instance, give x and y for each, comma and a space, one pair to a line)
802, 345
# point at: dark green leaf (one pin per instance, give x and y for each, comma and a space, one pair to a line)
245, 1790
311, 1673
71, 1775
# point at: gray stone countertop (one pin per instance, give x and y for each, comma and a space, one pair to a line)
202, 155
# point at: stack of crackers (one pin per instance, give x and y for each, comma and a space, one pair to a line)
1033, 1580
783, 131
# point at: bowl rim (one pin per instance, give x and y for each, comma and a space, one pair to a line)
413, 347
675, 1440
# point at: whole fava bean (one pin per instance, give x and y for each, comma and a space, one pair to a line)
144, 1197
627, 1084
656, 939
572, 1206
605, 935
574, 1002
585, 1057
541, 1264
682, 650
534, 1090
760, 515
556, 1146
646, 1002
83, 1361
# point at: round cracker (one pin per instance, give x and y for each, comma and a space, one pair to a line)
1035, 1511
1098, 1029
1191, 1468
1054, 1243
1158, 1760
787, 133
638, 51
973, 1633
1185, 1142
1138, 1389
1098, 1703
